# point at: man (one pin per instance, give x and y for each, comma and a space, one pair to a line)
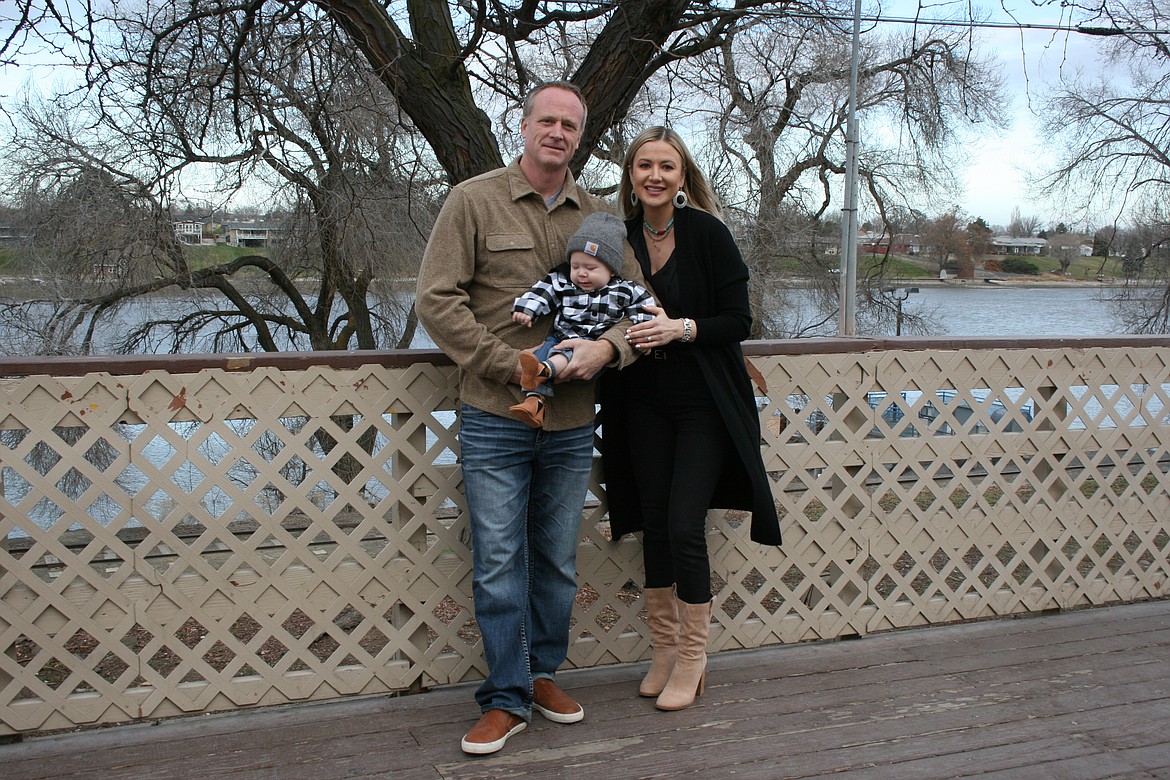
525, 487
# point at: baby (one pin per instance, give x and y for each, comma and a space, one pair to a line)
587, 296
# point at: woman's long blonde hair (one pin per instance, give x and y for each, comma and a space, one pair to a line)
695, 184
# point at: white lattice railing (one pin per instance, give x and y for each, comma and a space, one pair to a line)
190, 534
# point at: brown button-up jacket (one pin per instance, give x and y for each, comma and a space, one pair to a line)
492, 240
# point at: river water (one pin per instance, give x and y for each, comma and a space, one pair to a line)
982, 309
976, 309
989, 310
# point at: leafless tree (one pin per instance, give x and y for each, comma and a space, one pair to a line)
1064, 248
945, 239
1113, 132
1142, 303
455, 72
305, 115
772, 99
1021, 226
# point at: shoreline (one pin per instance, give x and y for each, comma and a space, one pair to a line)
1011, 281
988, 283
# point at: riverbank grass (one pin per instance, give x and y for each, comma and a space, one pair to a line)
18, 261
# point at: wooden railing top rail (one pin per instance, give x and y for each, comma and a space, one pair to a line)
70, 365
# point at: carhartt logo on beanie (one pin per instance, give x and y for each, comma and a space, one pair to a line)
601, 235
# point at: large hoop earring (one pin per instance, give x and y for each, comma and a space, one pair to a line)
633, 198
680, 199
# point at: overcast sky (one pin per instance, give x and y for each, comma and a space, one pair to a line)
996, 178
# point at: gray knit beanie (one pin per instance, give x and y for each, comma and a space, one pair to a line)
603, 236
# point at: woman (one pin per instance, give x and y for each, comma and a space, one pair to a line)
681, 431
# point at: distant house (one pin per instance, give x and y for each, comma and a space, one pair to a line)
251, 234
112, 265
189, 232
872, 242
1009, 245
907, 244
10, 234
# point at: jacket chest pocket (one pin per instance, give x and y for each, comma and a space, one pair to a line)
511, 260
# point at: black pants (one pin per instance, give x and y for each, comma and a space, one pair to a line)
681, 445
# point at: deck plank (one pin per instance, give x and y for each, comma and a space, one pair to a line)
1081, 694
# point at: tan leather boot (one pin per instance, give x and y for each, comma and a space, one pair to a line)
662, 618
689, 677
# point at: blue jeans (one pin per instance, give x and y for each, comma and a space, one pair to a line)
525, 491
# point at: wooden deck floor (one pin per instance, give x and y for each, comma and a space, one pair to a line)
1083, 694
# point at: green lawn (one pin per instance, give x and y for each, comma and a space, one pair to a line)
898, 267
1082, 268
14, 261
7, 260
207, 256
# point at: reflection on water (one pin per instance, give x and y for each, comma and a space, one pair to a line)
987, 310
981, 309
976, 309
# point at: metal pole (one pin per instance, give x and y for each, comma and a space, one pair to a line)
847, 317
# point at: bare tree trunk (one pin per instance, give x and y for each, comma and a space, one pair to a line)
428, 78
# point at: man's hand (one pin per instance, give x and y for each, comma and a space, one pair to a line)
589, 357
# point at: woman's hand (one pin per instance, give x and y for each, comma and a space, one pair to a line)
655, 333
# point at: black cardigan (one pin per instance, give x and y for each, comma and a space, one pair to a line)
713, 288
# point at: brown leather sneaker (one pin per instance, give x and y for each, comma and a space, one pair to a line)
553, 703
492, 731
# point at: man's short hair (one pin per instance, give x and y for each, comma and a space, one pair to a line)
565, 85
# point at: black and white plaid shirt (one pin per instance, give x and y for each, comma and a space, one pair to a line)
581, 313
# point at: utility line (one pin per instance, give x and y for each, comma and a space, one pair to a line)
1082, 29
